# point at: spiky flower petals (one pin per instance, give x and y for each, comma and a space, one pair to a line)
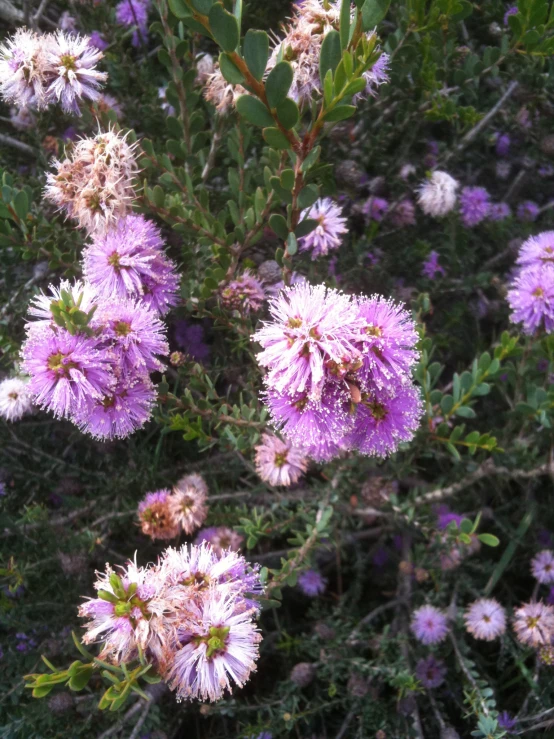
188, 506
129, 261
71, 71
429, 625
279, 462
94, 185
220, 649
22, 69
475, 205
437, 195
245, 294
531, 298
328, 233
312, 583
542, 567
534, 624
15, 399
430, 672
220, 538
486, 619
156, 517
537, 250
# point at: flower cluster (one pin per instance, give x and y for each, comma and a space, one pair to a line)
531, 294
327, 235
338, 371
166, 513
191, 615
94, 185
37, 71
89, 357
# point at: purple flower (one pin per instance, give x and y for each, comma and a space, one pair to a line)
486, 619
474, 205
542, 567
190, 338
245, 293
382, 422
129, 261
121, 411
328, 233
446, 516
3, 490
279, 462
380, 558
528, 211
429, 625
404, 214
134, 13
376, 76
537, 250
503, 143
430, 672
505, 721
97, 40
71, 74
312, 583
499, 211
431, 267
22, 69
66, 371
375, 208
531, 298
511, 11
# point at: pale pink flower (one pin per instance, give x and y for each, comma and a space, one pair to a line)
221, 538
279, 462
22, 69
534, 624
486, 619
188, 506
15, 398
542, 567
429, 625
156, 517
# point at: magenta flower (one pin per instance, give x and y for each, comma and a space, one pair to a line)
430, 672
486, 619
377, 75
429, 625
503, 142
66, 371
328, 234
375, 208
155, 515
279, 462
312, 583
220, 647
136, 335
528, 211
71, 73
431, 267
245, 294
499, 212
97, 40
531, 298
134, 13
505, 720
119, 412
537, 250
542, 567
474, 205
445, 518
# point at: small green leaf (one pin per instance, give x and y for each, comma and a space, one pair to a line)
344, 23
21, 204
489, 539
254, 111
278, 83
287, 179
202, 6
373, 12
292, 244
311, 159
288, 113
307, 196
340, 113
330, 54
465, 412
255, 49
78, 681
229, 71
224, 27
275, 138
278, 224
305, 227
179, 8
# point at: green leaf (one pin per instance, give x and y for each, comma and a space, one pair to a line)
21, 204
344, 23
288, 113
229, 71
489, 539
275, 138
465, 412
202, 6
330, 54
254, 111
78, 681
278, 83
42, 691
292, 244
305, 227
373, 12
179, 8
311, 159
307, 196
278, 224
224, 27
255, 49
340, 113
287, 179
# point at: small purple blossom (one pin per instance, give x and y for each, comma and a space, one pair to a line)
503, 143
191, 339
431, 267
328, 233
486, 619
499, 211
511, 11
429, 625
312, 583
542, 567
474, 205
134, 13
430, 672
446, 516
528, 211
537, 250
404, 214
531, 298
380, 558
97, 40
375, 208
505, 720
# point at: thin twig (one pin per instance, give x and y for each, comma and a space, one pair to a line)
142, 718
346, 723
15, 144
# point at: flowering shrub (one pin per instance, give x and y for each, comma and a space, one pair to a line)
276, 394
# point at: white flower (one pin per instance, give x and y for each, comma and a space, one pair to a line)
15, 399
437, 195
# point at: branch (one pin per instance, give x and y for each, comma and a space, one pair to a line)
15, 144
